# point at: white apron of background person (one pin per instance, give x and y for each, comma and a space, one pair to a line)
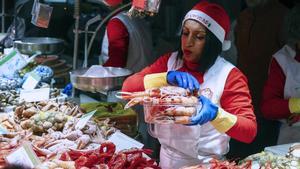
140, 43
189, 145
291, 69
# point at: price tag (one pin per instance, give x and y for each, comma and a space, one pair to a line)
32, 80
11, 62
124, 142
3, 130
84, 119
35, 95
139, 4
23, 156
41, 14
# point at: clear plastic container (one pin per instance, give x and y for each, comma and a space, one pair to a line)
169, 113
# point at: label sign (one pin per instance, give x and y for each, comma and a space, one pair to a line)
23, 156
124, 142
10, 63
35, 95
32, 80
84, 119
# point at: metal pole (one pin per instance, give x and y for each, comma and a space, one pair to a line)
3, 17
89, 22
76, 32
15, 20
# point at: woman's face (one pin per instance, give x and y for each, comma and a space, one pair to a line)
192, 40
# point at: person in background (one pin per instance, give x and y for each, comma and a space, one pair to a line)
233, 8
258, 34
227, 114
281, 94
127, 42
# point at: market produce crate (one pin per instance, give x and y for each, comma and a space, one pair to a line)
124, 120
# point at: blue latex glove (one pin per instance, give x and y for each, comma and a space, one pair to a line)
208, 112
183, 79
68, 89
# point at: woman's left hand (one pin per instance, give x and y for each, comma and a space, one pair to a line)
183, 79
208, 112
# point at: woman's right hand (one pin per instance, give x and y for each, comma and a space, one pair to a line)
183, 79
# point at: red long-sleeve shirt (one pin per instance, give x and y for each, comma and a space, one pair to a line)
273, 105
236, 98
118, 41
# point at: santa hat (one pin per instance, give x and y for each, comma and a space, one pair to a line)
214, 18
112, 2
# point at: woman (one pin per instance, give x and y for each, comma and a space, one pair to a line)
228, 113
281, 95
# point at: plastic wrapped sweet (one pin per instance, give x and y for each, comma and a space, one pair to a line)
45, 72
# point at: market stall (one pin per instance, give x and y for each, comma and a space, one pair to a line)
45, 127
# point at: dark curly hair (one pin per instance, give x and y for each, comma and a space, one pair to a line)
212, 49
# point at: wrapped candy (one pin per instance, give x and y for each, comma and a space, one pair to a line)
44, 72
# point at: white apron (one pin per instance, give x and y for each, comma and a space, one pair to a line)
291, 69
140, 43
188, 145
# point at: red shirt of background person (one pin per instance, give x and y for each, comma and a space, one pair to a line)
127, 42
118, 38
202, 38
281, 94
